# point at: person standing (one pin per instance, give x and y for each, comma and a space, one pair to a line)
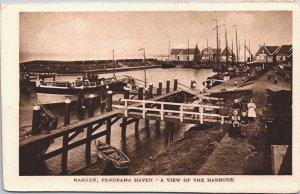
251, 110
244, 110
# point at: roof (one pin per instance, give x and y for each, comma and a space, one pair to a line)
285, 50
229, 51
191, 51
270, 50
213, 50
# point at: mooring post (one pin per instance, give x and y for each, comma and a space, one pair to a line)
150, 90
67, 112
88, 142
136, 127
64, 156
126, 93
157, 126
79, 106
159, 89
36, 120
91, 105
140, 93
175, 84
124, 126
167, 133
109, 101
168, 86
108, 130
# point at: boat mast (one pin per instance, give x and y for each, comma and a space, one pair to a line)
236, 44
226, 49
113, 52
145, 68
245, 50
188, 57
169, 52
206, 50
232, 57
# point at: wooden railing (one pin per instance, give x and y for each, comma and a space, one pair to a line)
182, 109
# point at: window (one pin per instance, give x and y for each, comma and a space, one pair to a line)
263, 51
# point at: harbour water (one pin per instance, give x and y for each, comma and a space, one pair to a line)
138, 147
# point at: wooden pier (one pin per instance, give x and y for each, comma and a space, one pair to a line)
169, 107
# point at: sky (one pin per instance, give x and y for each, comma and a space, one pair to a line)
93, 35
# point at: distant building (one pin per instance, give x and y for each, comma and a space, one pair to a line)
209, 54
182, 54
285, 53
266, 53
229, 53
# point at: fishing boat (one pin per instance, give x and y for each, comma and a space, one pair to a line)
50, 92
117, 157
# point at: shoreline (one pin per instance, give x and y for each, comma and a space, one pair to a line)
212, 151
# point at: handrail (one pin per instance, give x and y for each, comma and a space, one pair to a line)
171, 103
162, 109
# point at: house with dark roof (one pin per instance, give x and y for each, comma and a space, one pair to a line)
182, 54
209, 54
231, 55
285, 53
266, 54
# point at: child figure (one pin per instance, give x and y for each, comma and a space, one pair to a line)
251, 110
244, 110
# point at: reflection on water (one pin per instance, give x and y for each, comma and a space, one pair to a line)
139, 147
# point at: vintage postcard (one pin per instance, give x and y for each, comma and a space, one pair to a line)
165, 97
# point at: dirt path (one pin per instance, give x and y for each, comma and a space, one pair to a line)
237, 156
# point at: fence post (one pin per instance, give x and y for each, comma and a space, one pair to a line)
168, 86
201, 114
67, 112
108, 130
144, 109
88, 142
140, 93
64, 156
126, 93
222, 120
162, 111
159, 89
109, 101
91, 105
150, 90
36, 120
181, 113
175, 84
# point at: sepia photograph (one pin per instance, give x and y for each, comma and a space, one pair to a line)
158, 96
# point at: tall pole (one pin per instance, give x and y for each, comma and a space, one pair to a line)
245, 50
145, 68
113, 52
188, 58
232, 57
226, 49
169, 52
218, 60
207, 50
250, 52
237, 47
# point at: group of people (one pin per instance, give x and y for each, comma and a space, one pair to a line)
243, 113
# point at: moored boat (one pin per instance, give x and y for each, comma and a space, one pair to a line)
117, 157
57, 91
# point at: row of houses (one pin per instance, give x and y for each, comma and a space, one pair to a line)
264, 54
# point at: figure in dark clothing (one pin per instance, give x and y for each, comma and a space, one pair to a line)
236, 105
244, 110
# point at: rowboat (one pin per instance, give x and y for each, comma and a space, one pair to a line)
118, 158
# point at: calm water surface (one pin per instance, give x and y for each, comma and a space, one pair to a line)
139, 147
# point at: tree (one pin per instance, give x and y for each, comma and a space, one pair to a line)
197, 56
